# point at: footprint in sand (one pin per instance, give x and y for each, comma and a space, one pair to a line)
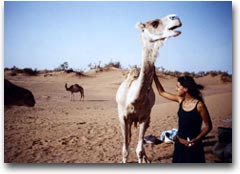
69, 140
39, 143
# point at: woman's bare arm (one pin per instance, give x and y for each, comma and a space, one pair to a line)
163, 93
202, 109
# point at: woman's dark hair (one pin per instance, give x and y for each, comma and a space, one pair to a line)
193, 87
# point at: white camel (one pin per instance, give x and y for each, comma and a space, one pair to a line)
135, 96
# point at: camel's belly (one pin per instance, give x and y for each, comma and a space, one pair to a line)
134, 104
143, 104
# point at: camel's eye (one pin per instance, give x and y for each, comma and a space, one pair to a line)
172, 17
155, 24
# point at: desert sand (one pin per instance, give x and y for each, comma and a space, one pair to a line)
58, 130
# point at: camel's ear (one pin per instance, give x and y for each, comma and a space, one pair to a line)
140, 26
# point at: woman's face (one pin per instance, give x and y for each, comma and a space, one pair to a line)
180, 89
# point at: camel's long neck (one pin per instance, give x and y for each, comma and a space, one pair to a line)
66, 87
146, 71
149, 56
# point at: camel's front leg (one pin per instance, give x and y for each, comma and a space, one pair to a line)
125, 135
142, 157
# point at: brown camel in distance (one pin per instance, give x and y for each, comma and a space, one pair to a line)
75, 89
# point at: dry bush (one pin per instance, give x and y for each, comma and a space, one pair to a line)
213, 73
200, 74
113, 64
225, 77
12, 73
30, 72
69, 70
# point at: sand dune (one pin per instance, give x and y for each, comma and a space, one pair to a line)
57, 130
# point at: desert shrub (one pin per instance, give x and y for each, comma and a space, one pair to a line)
95, 66
45, 71
187, 73
173, 73
90, 66
13, 73
200, 74
225, 77
113, 64
69, 70
161, 68
30, 72
62, 67
14, 68
213, 73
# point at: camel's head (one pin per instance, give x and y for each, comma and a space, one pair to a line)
160, 29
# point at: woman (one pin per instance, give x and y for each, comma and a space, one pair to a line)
192, 112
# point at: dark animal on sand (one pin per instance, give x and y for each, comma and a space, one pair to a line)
74, 89
16, 95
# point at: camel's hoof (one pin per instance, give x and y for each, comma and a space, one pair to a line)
144, 160
147, 161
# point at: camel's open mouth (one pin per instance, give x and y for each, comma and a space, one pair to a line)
174, 27
176, 32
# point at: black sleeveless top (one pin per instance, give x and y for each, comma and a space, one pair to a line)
189, 122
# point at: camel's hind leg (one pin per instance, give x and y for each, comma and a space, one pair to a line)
142, 157
81, 95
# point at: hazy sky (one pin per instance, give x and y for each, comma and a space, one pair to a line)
43, 35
